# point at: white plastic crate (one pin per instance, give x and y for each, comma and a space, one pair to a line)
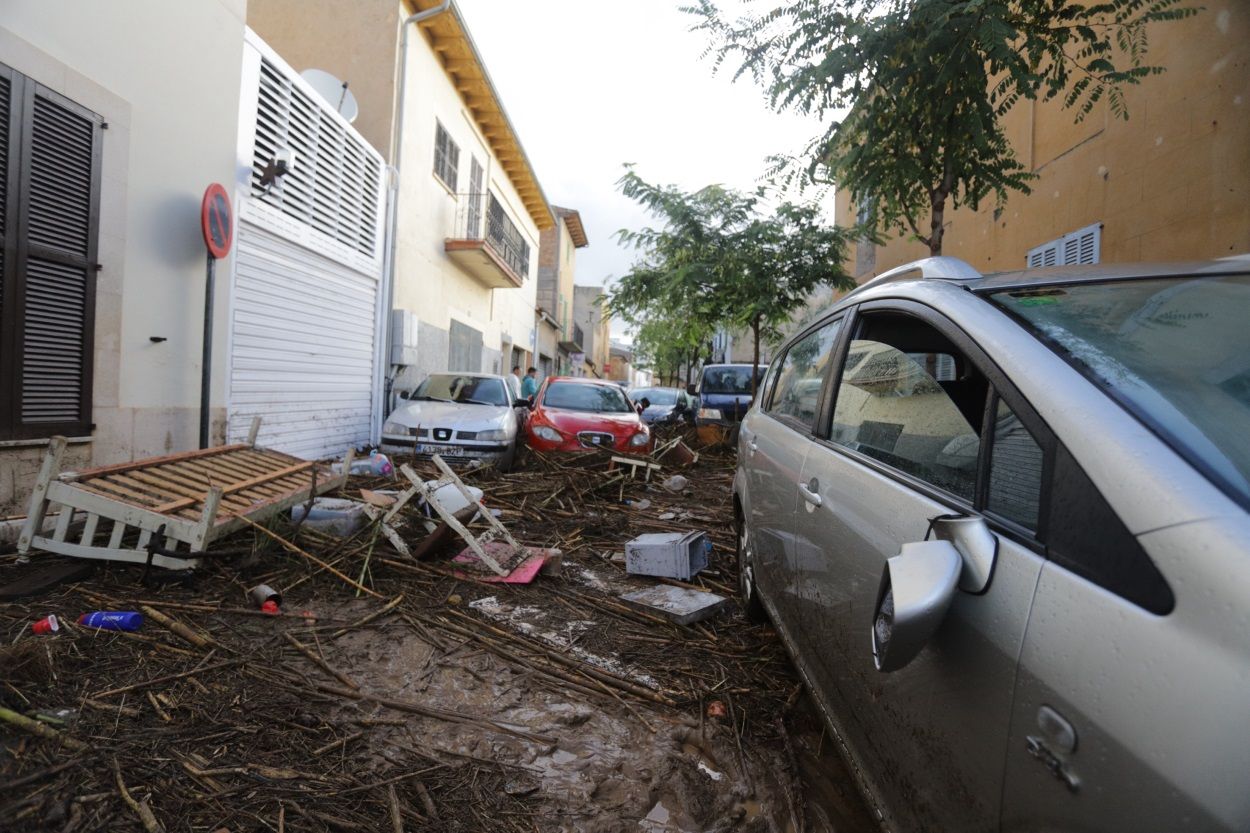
677, 555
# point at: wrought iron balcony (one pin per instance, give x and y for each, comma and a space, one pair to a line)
486, 243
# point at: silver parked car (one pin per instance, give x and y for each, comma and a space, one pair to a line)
1008, 544
459, 416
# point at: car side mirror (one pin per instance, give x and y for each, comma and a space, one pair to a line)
690, 389
978, 546
917, 586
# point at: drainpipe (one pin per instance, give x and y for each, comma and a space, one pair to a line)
392, 212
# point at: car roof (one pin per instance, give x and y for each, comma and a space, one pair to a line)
467, 373
954, 270
582, 380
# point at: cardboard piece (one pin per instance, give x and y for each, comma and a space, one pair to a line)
682, 605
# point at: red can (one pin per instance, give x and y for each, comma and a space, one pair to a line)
47, 624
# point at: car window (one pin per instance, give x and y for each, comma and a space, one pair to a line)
729, 379
802, 375
1016, 460
473, 390
893, 410
1174, 351
576, 396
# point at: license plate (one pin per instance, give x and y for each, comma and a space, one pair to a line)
441, 450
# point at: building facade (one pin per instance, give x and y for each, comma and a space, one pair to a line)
112, 128
1172, 182
556, 271
592, 322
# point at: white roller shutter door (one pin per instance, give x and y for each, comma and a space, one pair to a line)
302, 347
306, 295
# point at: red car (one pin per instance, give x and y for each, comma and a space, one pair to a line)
574, 414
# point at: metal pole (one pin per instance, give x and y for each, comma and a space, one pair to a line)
206, 373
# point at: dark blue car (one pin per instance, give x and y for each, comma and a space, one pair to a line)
725, 392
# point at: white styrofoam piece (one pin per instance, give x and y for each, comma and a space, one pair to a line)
680, 604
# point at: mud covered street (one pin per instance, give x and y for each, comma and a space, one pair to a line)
431, 700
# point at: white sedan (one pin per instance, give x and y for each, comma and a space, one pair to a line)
460, 417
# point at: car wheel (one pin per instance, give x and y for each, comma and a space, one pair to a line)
748, 593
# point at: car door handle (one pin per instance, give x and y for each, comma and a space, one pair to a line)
809, 493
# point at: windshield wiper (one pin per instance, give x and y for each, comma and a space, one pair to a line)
425, 398
480, 402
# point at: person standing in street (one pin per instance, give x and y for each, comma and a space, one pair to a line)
529, 385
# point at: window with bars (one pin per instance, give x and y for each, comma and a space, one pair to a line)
506, 239
475, 198
49, 216
1080, 247
446, 156
334, 185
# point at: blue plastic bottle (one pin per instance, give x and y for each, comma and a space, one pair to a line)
112, 620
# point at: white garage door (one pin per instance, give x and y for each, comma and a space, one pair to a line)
302, 347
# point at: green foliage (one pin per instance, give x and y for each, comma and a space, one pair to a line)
926, 83
720, 259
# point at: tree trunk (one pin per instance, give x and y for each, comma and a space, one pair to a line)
755, 362
936, 221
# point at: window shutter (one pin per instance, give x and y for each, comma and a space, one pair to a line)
6, 98
335, 182
1045, 255
56, 264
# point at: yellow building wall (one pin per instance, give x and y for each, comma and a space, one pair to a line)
1170, 183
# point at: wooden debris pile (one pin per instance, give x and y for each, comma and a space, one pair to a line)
216, 716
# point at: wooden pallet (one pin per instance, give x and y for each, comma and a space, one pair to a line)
191, 499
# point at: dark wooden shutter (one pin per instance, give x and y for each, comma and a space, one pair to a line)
51, 302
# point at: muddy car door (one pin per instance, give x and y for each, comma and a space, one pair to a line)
920, 447
774, 440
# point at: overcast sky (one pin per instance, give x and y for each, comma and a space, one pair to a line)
590, 85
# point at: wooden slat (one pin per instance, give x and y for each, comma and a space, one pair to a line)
115, 538
189, 496
269, 459
191, 484
89, 528
139, 486
237, 487
230, 471
237, 462
117, 492
152, 461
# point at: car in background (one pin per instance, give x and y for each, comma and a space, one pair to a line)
725, 392
1002, 524
667, 405
459, 416
575, 414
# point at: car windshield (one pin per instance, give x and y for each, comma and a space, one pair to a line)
1176, 352
575, 396
734, 379
656, 396
472, 390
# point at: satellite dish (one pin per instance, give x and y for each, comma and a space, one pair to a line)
334, 91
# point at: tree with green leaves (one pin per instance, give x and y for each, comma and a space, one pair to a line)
718, 260
926, 84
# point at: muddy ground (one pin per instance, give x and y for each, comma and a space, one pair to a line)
431, 701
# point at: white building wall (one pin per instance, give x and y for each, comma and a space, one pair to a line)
165, 76
427, 281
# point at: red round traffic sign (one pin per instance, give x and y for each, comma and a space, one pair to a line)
216, 221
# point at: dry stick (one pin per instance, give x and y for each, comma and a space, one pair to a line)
343, 741
291, 547
7, 789
161, 713
43, 731
141, 808
397, 821
319, 662
198, 640
568, 662
170, 677
366, 620
428, 803
429, 711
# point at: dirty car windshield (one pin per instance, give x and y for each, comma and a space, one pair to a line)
572, 396
735, 380
473, 390
1175, 352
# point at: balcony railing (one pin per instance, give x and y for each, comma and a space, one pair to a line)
483, 226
